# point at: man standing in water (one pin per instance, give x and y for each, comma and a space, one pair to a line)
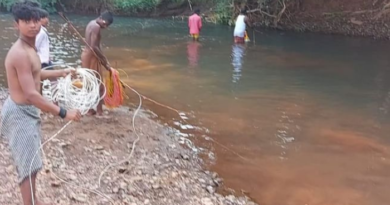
20, 120
195, 25
241, 23
88, 58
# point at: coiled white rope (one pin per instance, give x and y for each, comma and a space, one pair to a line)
77, 92
83, 98
70, 96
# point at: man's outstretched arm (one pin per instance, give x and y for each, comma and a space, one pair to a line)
46, 74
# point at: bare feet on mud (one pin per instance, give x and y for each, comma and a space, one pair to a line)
91, 112
102, 116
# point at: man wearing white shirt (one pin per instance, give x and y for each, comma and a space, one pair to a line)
42, 42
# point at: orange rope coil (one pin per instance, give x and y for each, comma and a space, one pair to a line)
115, 93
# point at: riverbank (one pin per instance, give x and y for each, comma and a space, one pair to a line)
161, 170
343, 17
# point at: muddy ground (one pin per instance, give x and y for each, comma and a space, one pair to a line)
160, 171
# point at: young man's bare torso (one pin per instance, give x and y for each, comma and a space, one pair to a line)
17, 52
20, 115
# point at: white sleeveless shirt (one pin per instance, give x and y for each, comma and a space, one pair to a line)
240, 28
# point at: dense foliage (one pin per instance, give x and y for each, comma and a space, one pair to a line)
47, 4
219, 11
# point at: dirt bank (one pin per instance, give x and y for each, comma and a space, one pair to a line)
368, 18
161, 171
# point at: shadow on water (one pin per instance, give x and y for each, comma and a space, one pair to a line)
310, 112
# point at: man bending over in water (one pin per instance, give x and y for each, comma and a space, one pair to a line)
88, 58
20, 119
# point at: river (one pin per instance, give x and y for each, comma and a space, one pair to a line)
297, 119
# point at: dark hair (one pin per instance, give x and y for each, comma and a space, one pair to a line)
44, 13
243, 11
108, 17
26, 11
32, 3
197, 11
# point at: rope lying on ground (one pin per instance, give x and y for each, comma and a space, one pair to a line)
80, 92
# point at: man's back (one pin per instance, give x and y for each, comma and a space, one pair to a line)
92, 34
195, 24
17, 54
240, 27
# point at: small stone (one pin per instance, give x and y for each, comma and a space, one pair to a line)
122, 170
123, 185
207, 201
9, 169
218, 181
63, 144
79, 198
174, 174
146, 201
87, 149
55, 183
99, 148
131, 189
185, 157
230, 198
115, 190
73, 177
210, 189
215, 175
202, 181
106, 153
156, 186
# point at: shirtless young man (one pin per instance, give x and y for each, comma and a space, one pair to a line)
88, 58
20, 119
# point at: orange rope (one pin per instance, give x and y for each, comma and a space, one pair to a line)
115, 94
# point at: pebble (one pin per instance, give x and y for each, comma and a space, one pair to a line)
55, 183
115, 190
202, 181
185, 157
123, 185
174, 175
122, 170
218, 181
73, 177
98, 148
63, 144
210, 189
207, 201
79, 198
215, 175
156, 186
10, 169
